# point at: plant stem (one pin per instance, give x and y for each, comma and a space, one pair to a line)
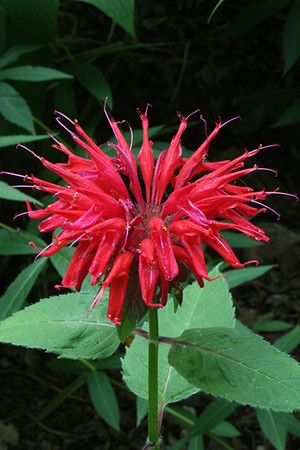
153, 433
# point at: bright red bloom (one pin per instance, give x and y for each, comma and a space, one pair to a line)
152, 225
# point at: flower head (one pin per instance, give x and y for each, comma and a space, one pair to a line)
148, 227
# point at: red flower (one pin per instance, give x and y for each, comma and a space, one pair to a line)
153, 225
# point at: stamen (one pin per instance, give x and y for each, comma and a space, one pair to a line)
192, 114
205, 125
76, 240
267, 207
284, 193
28, 150
266, 169
147, 107
56, 113
20, 214
26, 186
19, 175
230, 120
44, 249
54, 138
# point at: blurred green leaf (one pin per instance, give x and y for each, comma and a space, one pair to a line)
34, 20
291, 37
226, 429
15, 242
15, 295
93, 80
2, 28
238, 240
274, 427
9, 193
32, 73
196, 443
103, 398
251, 15
61, 324
293, 425
289, 341
65, 98
237, 277
62, 365
291, 116
14, 108
7, 141
121, 11
141, 410
13, 53
215, 10
272, 326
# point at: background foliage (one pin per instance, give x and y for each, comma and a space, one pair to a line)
178, 56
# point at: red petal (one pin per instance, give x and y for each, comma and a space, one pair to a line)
164, 252
148, 271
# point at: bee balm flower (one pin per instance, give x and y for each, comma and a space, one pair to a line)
151, 225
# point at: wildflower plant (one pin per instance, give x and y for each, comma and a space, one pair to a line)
141, 229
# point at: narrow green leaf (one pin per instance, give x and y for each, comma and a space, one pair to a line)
252, 14
238, 366
93, 80
238, 240
293, 425
62, 325
291, 37
14, 53
196, 443
237, 277
141, 410
288, 342
9, 193
104, 399
215, 10
32, 73
272, 326
121, 11
60, 398
14, 108
17, 292
274, 427
209, 306
61, 365
291, 116
15, 242
226, 429
7, 141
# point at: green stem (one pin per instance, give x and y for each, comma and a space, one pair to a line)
153, 433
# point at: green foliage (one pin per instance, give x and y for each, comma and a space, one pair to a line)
291, 37
237, 366
32, 73
103, 398
15, 295
7, 141
14, 108
9, 193
121, 11
235, 277
15, 242
14, 53
207, 307
62, 325
93, 80
289, 341
274, 427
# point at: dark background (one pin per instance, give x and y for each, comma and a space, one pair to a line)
244, 62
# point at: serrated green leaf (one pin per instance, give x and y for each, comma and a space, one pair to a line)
7, 141
93, 80
14, 108
274, 427
33, 73
239, 276
13, 53
17, 292
141, 410
62, 325
9, 193
104, 399
288, 342
209, 306
15, 242
121, 11
291, 37
238, 366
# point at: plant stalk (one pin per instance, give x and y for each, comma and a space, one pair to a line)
153, 431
